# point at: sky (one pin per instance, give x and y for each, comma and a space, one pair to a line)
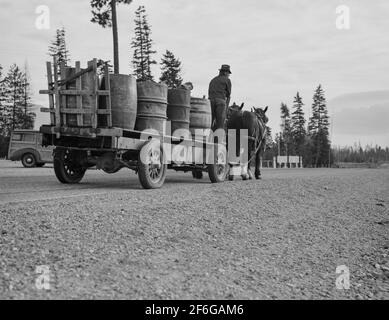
275, 48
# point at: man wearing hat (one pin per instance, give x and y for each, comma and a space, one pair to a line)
219, 93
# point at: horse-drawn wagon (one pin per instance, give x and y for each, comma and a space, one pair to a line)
84, 133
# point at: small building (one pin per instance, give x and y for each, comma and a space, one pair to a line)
288, 162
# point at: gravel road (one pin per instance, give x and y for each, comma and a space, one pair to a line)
279, 238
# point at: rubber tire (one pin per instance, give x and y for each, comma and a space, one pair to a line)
61, 172
29, 160
143, 170
213, 172
197, 174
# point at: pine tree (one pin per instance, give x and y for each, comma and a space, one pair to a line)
317, 105
14, 98
58, 48
171, 69
269, 139
3, 107
298, 124
318, 128
142, 45
271, 149
286, 138
28, 117
104, 14
15, 94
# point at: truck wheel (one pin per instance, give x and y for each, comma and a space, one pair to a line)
67, 166
217, 172
28, 160
151, 167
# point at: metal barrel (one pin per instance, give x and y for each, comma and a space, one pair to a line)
123, 101
152, 106
87, 83
200, 115
178, 109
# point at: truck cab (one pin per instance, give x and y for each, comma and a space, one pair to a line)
26, 146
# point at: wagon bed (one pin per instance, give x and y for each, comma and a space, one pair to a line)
109, 148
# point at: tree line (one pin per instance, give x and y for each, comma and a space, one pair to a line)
359, 154
16, 108
299, 137
15, 100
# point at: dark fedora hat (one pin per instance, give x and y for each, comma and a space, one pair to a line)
225, 67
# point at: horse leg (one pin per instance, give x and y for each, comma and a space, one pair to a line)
230, 172
246, 173
252, 147
257, 164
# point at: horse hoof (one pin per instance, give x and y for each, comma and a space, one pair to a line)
258, 177
231, 178
245, 177
251, 177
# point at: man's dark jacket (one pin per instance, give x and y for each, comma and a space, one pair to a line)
219, 88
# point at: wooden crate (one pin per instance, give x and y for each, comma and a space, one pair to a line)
59, 96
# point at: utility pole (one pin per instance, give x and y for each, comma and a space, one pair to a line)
115, 37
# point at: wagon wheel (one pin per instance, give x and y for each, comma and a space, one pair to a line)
67, 165
151, 167
218, 170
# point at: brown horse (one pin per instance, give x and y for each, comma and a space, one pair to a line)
255, 124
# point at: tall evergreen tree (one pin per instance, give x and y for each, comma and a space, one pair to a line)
104, 14
298, 124
58, 47
269, 139
171, 69
15, 115
3, 106
286, 137
142, 45
28, 118
318, 128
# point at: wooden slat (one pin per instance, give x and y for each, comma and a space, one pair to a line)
51, 97
63, 98
108, 98
71, 92
107, 132
93, 64
46, 110
104, 111
79, 97
57, 102
80, 111
77, 75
